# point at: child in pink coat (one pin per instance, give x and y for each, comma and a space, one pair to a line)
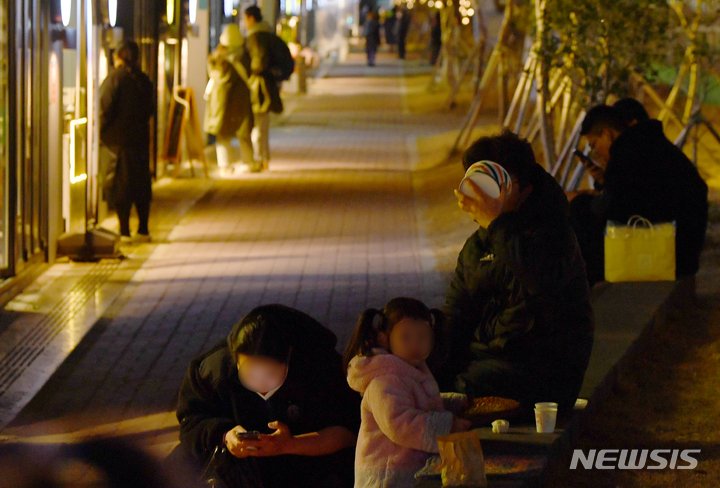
402, 410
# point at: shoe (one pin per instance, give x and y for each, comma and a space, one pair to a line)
227, 171
256, 168
266, 165
126, 240
142, 238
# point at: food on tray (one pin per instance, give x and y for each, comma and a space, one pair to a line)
490, 405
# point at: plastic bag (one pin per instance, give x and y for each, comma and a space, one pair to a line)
462, 460
639, 251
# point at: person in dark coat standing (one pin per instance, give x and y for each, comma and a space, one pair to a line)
403, 26
435, 38
126, 106
519, 321
372, 36
389, 28
644, 174
277, 373
264, 88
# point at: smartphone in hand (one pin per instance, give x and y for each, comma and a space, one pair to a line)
587, 162
253, 435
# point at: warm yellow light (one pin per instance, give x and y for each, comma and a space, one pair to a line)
465, 21
73, 177
170, 12
463, 11
470, 12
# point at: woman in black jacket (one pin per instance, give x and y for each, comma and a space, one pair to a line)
278, 374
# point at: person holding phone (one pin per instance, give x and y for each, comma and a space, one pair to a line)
274, 395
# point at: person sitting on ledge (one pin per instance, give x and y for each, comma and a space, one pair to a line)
644, 174
519, 320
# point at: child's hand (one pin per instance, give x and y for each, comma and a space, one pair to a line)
460, 425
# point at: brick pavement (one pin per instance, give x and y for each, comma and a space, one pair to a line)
331, 229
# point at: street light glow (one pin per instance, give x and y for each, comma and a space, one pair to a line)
66, 10
192, 11
112, 12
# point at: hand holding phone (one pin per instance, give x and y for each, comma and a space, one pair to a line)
253, 435
595, 171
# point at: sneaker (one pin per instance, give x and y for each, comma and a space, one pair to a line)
226, 171
142, 238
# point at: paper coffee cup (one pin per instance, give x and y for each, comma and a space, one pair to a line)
545, 405
500, 426
545, 419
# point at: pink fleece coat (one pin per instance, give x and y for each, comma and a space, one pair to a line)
402, 416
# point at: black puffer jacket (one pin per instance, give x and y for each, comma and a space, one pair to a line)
520, 299
315, 394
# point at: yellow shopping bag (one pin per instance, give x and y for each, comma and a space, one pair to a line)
639, 251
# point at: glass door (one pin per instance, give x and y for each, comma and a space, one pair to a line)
4, 139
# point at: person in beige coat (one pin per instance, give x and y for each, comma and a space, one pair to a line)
229, 109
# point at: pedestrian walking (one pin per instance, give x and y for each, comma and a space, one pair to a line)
435, 38
126, 106
264, 87
389, 28
372, 37
229, 110
403, 26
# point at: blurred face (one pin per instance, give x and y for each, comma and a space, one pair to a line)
411, 340
250, 21
260, 373
600, 143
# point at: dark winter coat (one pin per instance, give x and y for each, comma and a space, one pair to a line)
126, 105
314, 396
264, 87
520, 324
648, 175
228, 104
372, 34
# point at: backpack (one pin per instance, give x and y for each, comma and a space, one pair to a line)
281, 63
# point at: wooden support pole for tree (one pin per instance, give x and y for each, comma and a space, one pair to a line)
546, 125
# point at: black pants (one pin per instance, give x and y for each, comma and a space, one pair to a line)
123, 212
590, 232
401, 46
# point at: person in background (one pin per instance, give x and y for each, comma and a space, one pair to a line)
264, 89
127, 102
389, 28
644, 174
519, 320
372, 36
403, 26
229, 110
435, 38
403, 412
278, 373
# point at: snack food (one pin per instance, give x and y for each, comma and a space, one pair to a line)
487, 409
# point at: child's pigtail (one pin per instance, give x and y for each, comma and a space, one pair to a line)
365, 337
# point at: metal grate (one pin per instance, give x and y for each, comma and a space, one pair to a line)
38, 337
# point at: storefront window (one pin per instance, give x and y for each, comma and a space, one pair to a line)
3, 132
